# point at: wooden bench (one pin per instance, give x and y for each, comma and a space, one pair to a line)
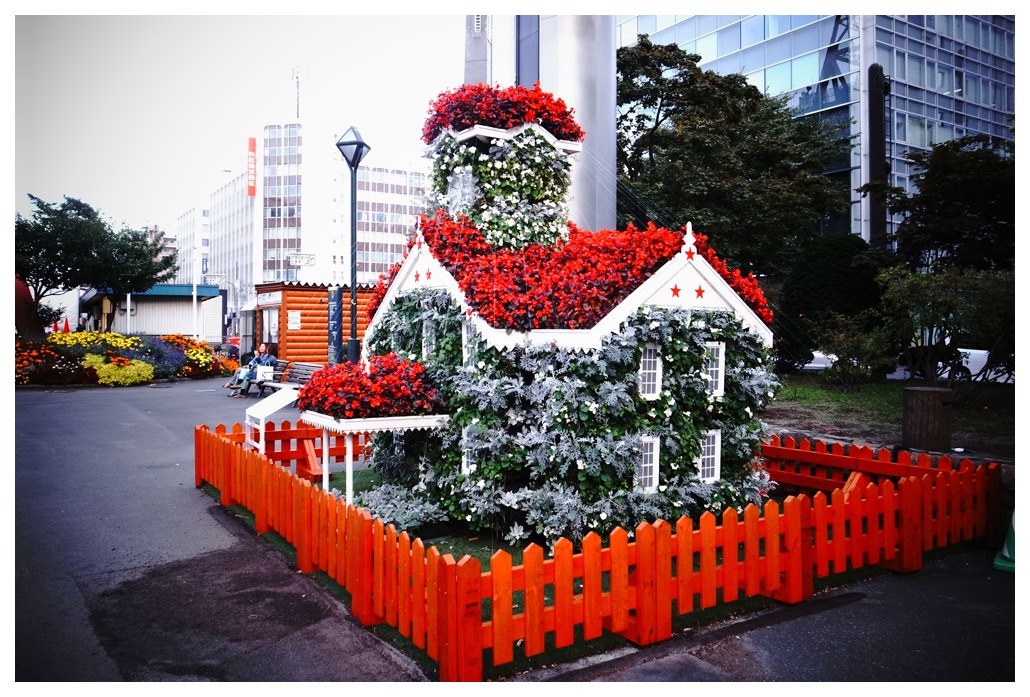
277, 371
296, 374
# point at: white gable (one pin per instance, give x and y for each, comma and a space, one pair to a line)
687, 280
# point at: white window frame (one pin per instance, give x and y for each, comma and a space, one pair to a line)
709, 462
645, 474
715, 367
468, 461
467, 343
428, 338
650, 374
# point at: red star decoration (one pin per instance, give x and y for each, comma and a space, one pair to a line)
675, 291
690, 254
700, 292
416, 277
469, 312
429, 274
420, 244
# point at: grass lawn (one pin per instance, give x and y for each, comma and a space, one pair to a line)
983, 415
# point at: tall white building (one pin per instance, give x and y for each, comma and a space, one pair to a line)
286, 216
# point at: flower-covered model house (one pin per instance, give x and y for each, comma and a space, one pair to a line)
592, 378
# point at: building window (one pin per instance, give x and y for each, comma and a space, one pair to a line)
650, 372
468, 460
428, 339
468, 346
645, 476
708, 463
715, 364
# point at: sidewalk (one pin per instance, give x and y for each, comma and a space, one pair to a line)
954, 621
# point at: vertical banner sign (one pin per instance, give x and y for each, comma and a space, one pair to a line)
251, 167
336, 354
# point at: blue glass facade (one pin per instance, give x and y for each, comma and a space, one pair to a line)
948, 75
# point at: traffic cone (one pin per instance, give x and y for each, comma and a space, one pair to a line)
1005, 560
66, 327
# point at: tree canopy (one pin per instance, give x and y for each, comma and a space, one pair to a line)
710, 149
963, 210
67, 245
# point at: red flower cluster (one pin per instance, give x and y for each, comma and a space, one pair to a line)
472, 105
569, 285
745, 286
385, 386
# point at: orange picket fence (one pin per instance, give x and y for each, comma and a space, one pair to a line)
888, 514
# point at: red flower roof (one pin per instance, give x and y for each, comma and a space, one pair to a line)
569, 285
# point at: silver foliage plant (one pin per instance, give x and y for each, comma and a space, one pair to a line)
554, 434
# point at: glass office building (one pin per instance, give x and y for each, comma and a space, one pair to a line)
906, 82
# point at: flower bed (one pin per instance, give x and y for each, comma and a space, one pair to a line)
107, 358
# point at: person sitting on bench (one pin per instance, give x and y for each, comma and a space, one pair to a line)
262, 357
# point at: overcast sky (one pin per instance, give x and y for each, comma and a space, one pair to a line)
139, 115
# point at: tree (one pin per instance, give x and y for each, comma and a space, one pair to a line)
937, 313
963, 212
834, 277
67, 245
710, 149
56, 249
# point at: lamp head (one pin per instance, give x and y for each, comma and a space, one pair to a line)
352, 147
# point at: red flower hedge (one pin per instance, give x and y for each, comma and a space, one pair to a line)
570, 285
479, 105
385, 386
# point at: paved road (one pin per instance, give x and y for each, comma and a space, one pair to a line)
124, 571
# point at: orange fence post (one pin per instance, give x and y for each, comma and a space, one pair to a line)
592, 587
446, 619
533, 598
419, 598
730, 555
199, 441
663, 579
404, 584
469, 620
262, 474
685, 579
378, 567
752, 568
432, 601
707, 548
302, 526
390, 577
564, 623
644, 631
225, 485
910, 525
501, 610
361, 581
792, 590
618, 580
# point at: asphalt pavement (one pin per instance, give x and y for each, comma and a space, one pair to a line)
125, 571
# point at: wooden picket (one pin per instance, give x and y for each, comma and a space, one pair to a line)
867, 508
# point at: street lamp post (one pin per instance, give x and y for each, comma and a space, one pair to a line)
353, 150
